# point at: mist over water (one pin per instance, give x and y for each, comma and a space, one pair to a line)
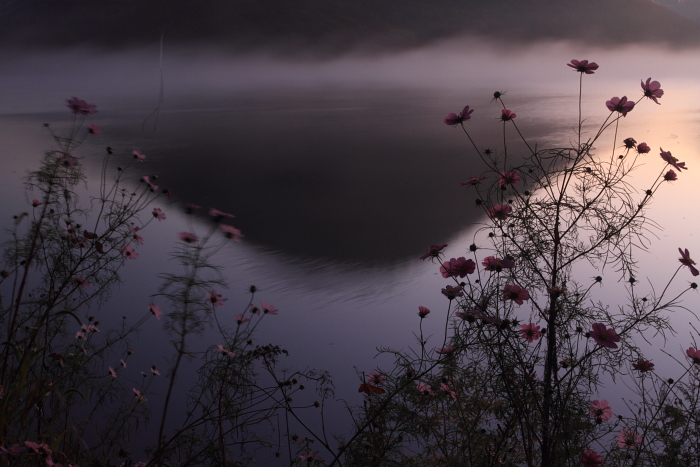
341, 172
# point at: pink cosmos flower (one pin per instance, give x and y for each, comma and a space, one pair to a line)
240, 319
112, 373
154, 370
129, 252
36, 203
652, 90
218, 215
670, 176
591, 459
137, 395
135, 235
215, 299
509, 178
80, 281
94, 129
66, 160
643, 148
221, 349
446, 350
34, 446
459, 267
515, 293
628, 439
621, 105
191, 208
138, 155
604, 337
473, 181
694, 355
643, 366
433, 251
448, 391
507, 115
122, 363
629, 143
80, 336
376, 379
158, 214
601, 410
423, 312
530, 332
150, 184
425, 389
453, 119
686, 261
583, 66
666, 155
188, 237
451, 292
80, 107
497, 264
268, 308
499, 211
231, 232
155, 309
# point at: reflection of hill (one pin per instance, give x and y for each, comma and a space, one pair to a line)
337, 24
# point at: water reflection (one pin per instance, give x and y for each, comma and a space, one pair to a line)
340, 186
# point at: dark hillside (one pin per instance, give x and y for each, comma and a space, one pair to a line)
338, 24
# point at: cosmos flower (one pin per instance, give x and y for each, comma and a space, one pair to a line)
621, 105
425, 389
509, 178
491, 263
423, 311
601, 409
652, 90
694, 355
80, 107
507, 115
604, 337
138, 155
188, 237
454, 119
446, 350
499, 211
138, 396
643, 366
591, 459
686, 261
112, 373
473, 181
433, 251
670, 176
628, 439
515, 293
218, 215
240, 319
94, 129
231, 232
666, 156
221, 349
583, 66
215, 299
643, 148
459, 267
155, 309
268, 308
158, 214
451, 292
376, 379
129, 252
530, 332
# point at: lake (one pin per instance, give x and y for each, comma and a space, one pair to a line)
341, 172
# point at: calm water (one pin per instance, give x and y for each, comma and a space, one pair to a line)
341, 172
